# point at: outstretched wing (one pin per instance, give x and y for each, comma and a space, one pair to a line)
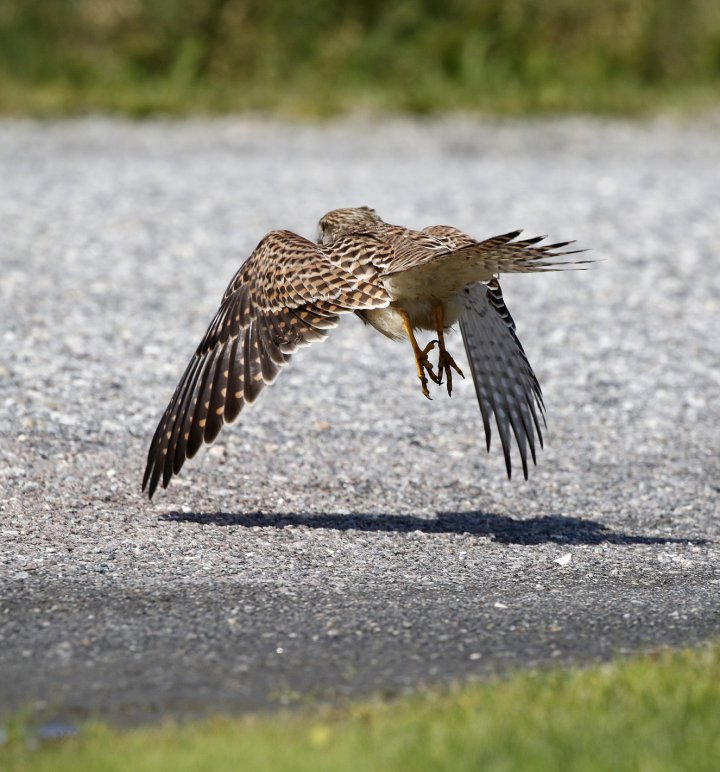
289, 293
505, 383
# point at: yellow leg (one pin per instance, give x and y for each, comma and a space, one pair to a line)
421, 359
446, 364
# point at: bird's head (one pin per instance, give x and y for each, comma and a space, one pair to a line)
343, 222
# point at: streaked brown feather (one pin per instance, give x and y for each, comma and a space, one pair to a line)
499, 254
289, 293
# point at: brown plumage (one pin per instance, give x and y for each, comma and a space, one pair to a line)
290, 292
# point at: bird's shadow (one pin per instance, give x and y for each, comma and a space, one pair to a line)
559, 529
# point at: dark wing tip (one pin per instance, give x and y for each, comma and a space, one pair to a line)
146, 476
152, 470
511, 235
150, 478
536, 240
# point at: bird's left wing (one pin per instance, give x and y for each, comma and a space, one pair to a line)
505, 383
287, 294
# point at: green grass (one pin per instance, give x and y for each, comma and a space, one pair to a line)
659, 712
321, 57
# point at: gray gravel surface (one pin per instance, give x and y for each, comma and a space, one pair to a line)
347, 535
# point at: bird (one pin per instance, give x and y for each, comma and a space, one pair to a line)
291, 291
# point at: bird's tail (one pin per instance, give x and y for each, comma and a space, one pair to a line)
503, 254
481, 261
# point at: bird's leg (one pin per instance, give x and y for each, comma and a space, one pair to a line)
421, 354
446, 364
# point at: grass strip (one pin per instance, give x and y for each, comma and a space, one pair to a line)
650, 712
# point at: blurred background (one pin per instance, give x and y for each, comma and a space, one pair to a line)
322, 57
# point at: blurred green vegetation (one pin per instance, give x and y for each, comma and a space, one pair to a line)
656, 713
319, 57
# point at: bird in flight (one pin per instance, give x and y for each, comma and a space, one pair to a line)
291, 291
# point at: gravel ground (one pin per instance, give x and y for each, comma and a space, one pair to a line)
346, 535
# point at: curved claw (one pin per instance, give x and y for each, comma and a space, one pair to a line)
424, 364
446, 364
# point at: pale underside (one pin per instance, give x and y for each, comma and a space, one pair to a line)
419, 292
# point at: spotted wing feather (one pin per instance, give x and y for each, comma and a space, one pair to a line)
289, 293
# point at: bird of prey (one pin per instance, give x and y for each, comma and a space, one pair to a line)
291, 291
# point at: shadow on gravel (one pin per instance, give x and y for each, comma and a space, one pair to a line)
537, 530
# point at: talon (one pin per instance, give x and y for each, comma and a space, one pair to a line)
422, 363
424, 366
446, 364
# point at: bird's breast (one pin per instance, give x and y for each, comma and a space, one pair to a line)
437, 280
390, 321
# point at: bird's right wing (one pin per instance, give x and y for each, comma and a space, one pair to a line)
287, 294
505, 383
